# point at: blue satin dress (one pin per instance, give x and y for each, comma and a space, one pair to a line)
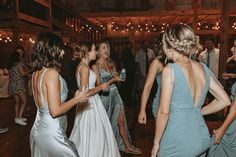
48, 134
156, 100
227, 145
186, 134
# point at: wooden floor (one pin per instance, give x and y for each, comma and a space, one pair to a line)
15, 143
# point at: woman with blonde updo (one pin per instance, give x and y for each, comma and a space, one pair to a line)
92, 132
180, 127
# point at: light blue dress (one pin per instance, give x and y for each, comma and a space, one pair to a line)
48, 134
113, 105
156, 100
186, 134
227, 146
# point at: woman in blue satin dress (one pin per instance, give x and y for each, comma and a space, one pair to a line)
180, 128
106, 72
154, 73
224, 138
48, 134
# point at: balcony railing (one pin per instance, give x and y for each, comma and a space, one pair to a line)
77, 23
49, 13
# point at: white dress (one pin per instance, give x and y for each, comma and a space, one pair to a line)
92, 132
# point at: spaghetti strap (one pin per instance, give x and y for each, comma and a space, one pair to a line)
40, 85
78, 76
32, 82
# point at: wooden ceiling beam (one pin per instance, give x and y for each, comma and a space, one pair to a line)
154, 13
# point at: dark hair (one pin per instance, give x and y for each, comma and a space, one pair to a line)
81, 50
47, 51
14, 58
211, 39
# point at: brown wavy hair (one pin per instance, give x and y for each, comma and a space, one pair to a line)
47, 51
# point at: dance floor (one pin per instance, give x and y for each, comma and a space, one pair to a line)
15, 143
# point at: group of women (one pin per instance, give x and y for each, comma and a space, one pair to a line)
100, 127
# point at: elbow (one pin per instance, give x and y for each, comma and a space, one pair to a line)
55, 114
227, 102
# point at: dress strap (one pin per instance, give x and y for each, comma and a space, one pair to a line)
32, 82
40, 85
78, 76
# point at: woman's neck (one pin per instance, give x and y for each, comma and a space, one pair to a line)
103, 60
85, 61
182, 60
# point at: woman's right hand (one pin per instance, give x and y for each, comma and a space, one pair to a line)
225, 76
81, 96
142, 118
104, 86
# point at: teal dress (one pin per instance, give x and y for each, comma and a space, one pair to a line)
227, 146
156, 100
113, 104
186, 134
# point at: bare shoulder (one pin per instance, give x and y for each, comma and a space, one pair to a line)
51, 76
196, 65
81, 68
167, 70
52, 73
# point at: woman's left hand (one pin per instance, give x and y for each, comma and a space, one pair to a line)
155, 149
118, 79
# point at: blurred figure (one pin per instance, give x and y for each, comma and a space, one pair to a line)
3, 130
128, 62
16, 86
143, 58
233, 50
210, 56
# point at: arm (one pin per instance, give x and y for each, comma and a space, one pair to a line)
164, 109
155, 68
24, 71
229, 119
52, 84
84, 81
221, 98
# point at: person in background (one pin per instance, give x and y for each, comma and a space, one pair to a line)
128, 62
210, 56
233, 50
143, 58
16, 86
